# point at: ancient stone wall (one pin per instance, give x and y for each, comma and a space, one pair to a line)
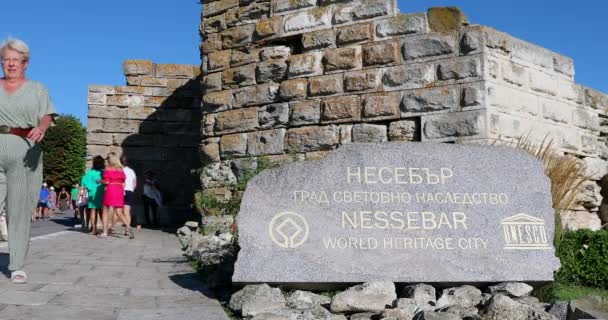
292, 79
155, 120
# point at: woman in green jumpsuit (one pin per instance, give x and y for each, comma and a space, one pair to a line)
92, 182
26, 112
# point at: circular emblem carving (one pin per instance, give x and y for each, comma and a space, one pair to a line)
288, 229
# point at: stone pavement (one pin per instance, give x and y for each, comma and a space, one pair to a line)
73, 275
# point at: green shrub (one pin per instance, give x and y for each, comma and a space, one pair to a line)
584, 258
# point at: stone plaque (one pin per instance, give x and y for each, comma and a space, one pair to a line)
401, 212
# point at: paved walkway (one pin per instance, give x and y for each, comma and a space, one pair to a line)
73, 275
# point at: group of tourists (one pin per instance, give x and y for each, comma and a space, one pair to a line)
50, 202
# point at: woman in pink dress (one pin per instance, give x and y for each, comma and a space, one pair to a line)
114, 196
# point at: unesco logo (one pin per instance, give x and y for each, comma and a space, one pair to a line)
288, 229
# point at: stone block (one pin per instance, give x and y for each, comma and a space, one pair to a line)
596, 100
402, 24
571, 91
233, 145
459, 68
253, 12
271, 70
97, 98
563, 65
293, 89
277, 52
365, 80
365, 132
268, 27
381, 106
311, 20
446, 19
121, 125
273, 115
471, 40
174, 70
585, 119
232, 17
237, 120
239, 76
266, 142
381, 53
575, 220
325, 85
125, 100
217, 7
305, 112
208, 125
429, 45
427, 100
343, 13
244, 56
513, 100
543, 82
529, 54
255, 95
341, 109
403, 130
514, 74
472, 95
99, 138
356, 33
138, 67
319, 39
237, 36
290, 5
595, 168
372, 8
442, 126
142, 113
101, 89
342, 59
409, 76
305, 65
211, 43
346, 133
218, 101
312, 138
218, 60
214, 24
210, 150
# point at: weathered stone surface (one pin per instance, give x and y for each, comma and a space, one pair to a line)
446, 19
218, 101
256, 299
236, 120
503, 307
465, 296
312, 138
459, 69
305, 65
365, 132
574, 220
428, 46
278, 52
371, 8
217, 174
310, 20
325, 85
269, 27
342, 59
431, 315
233, 145
239, 76
424, 100
218, 60
363, 80
243, 56
319, 39
381, 53
381, 106
237, 36
302, 300
343, 13
341, 109
212, 42
449, 126
408, 77
404, 130
214, 24
265, 142
295, 238
293, 89
138, 67
271, 70
402, 24
254, 95
398, 314
212, 82
305, 112
216, 7
421, 294
289, 5
512, 289
273, 115
253, 12
472, 96
370, 296
355, 33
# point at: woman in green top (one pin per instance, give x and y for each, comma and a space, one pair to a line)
92, 182
26, 112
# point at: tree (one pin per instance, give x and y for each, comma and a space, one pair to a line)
64, 147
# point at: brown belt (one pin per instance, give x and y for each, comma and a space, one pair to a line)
16, 131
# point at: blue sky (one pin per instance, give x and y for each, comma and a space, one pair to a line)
75, 43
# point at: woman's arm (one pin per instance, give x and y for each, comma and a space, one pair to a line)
37, 133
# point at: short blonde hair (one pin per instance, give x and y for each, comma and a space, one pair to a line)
114, 161
17, 45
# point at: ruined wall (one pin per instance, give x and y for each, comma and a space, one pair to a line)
155, 120
292, 79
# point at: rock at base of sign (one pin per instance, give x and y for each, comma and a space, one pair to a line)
459, 213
